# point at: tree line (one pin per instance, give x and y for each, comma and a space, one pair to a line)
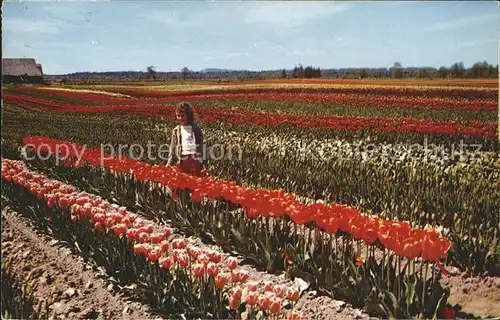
397, 71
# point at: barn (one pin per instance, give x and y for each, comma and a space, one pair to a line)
21, 70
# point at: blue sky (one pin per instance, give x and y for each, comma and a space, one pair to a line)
79, 36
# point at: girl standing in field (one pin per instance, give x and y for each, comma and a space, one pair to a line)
186, 143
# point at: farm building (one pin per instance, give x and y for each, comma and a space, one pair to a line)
21, 71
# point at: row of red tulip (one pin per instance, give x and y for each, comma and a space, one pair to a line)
343, 97
398, 237
154, 242
240, 117
485, 93
416, 83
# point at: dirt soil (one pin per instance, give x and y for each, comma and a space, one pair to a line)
72, 288
478, 296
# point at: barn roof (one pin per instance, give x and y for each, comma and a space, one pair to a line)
19, 67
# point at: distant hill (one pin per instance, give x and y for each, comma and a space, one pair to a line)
216, 70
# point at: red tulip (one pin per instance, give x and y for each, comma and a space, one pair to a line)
215, 257
139, 248
164, 246
280, 291
166, 262
154, 255
359, 262
234, 303
50, 203
120, 229
235, 277
132, 233
146, 229
109, 222
198, 270
252, 298
143, 237
252, 286
212, 269
220, 281
236, 293
275, 306
232, 263
183, 260
167, 232
269, 286
203, 258
178, 243
193, 252
264, 302
157, 237
293, 294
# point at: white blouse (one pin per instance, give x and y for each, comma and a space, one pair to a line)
188, 140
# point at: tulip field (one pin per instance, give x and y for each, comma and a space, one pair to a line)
381, 194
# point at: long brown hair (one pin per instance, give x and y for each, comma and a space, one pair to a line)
185, 108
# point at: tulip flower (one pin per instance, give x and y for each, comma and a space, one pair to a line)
183, 260
157, 237
166, 262
252, 298
236, 292
359, 262
212, 269
264, 302
275, 306
269, 286
232, 263
234, 303
252, 286
154, 255
178, 244
293, 294
203, 258
220, 281
280, 291
164, 246
198, 270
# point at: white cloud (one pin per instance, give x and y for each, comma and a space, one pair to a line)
291, 14
462, 22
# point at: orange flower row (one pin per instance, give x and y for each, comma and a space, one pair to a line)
398, 237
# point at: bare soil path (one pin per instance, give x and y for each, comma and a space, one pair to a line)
71, 288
